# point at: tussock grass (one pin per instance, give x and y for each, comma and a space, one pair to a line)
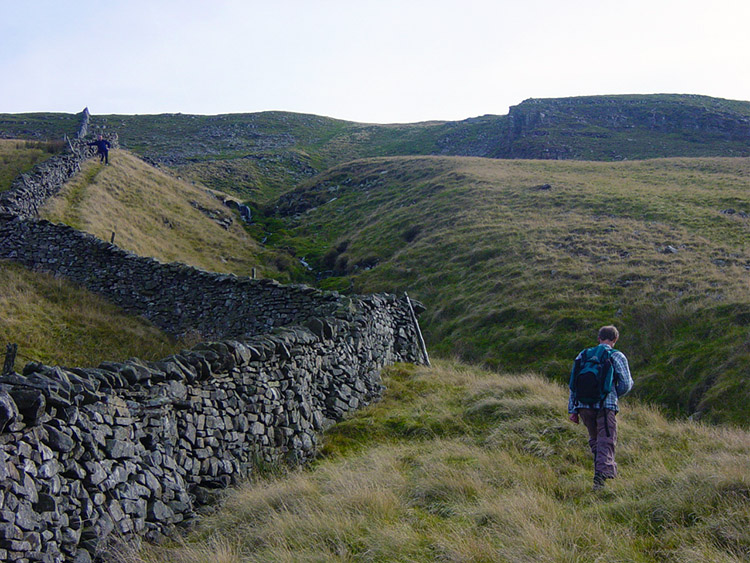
497, 475
519, 262
57, 323
157, 215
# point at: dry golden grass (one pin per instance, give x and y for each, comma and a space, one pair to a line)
57, 323
151, 214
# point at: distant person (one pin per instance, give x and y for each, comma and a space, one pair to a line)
599, 376
102, 149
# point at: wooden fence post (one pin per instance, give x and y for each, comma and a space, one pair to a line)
419, 331
10, 358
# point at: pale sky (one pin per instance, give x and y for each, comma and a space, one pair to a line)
377, 61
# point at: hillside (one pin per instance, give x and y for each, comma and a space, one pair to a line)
519, 262
259, 156
457, 464
55, 322
39, 126
516, 260
153, 213
590, 128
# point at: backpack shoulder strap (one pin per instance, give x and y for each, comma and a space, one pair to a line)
602, 352
577, 363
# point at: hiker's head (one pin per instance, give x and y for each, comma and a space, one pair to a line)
100, 137
608, 334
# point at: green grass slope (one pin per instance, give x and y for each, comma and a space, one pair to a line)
520, 262
154, 214
57, 323
457, 464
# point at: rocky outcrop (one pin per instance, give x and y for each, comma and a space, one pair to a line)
667, 114
605, 128
626, 127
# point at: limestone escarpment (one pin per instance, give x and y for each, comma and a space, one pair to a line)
605, 128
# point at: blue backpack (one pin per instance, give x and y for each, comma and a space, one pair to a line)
592, 376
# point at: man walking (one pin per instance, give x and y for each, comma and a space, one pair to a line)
102, 149
600, 375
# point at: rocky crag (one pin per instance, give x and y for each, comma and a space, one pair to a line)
93, 457
605, 128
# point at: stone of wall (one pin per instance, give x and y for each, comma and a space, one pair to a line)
85, 120
29, 192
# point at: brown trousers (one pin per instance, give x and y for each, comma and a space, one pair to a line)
598, 422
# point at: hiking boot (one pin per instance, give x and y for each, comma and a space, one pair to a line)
599, 479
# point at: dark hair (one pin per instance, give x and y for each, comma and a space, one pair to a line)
609, 333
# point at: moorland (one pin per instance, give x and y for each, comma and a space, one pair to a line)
521, 234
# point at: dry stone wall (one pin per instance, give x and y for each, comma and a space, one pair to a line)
175, 297
93, 457
129, 450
